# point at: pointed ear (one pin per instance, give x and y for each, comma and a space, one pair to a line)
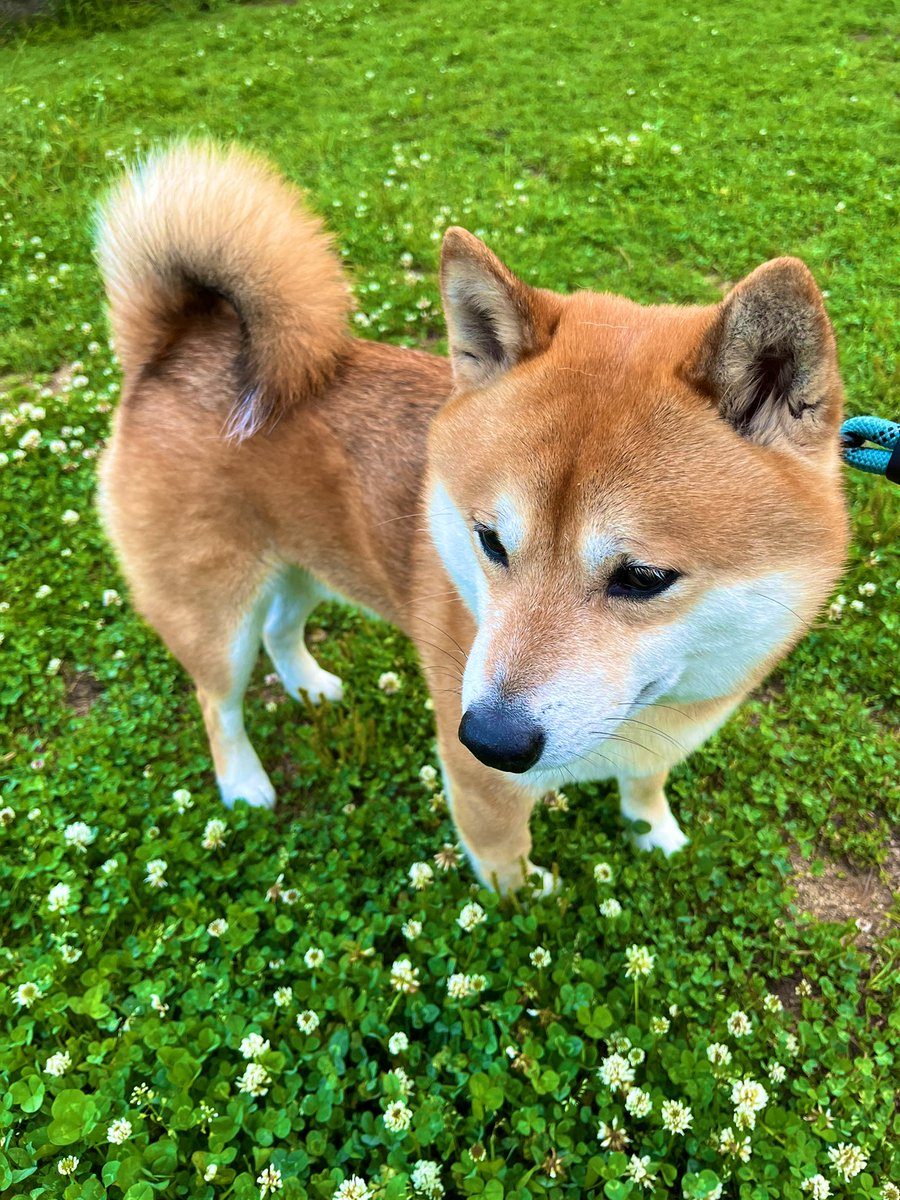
493, 319
768, 359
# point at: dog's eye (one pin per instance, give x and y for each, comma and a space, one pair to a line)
491, 545
637, 582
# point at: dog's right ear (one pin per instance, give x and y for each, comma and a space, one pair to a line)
494, 320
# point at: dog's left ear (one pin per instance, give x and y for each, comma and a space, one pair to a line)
494, 320
768, 359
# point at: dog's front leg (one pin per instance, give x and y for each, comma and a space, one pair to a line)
491, 813
644, 799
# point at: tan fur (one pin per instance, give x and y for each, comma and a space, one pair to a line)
595, 411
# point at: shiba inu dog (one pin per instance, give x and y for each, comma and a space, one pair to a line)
600, 523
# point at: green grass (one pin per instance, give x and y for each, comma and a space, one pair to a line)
654, 152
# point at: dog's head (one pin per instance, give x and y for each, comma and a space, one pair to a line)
638, 504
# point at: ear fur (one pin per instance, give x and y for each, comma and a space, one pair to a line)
768, 359
494, 320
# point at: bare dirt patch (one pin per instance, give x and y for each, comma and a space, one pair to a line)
83, 690
842, 893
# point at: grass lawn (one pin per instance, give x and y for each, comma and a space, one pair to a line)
656, 151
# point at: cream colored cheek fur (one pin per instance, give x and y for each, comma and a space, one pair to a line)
453, 540
707, 654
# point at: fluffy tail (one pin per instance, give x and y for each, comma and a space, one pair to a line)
197, 221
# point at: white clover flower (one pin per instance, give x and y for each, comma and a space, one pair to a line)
390, 683
269, 1181
119, 1131
314, 957
426, 1179
617, 1072
110, 597
603, 872
637, 1171
57, 1064
109, 866
639, 962
403, 1081
718, 1054
777, 1073
217, 928
792, 1045
636, 1056
157, 1004
890, 1191
156, 869
404, 976
618, 1042
460, 986
471, 915
68, 1165
26, 994
868, 589
397, 1117
848, 1160
638, 1102
308, 1021
429, 776
738, 1024
676, 1117
70, 517
58, 897
448, 857
745, 1117
283, 997
7, 816
354, 1188
818, 1186
659, 1025
411, 929
255, 1080
772, 1004
254, 1046
182, 799
541, 957
398, 1043
211, 1172
30, 440
748, 1091
214, 834
612, 1136
734, 1146
420, 875
610, 908
80, 835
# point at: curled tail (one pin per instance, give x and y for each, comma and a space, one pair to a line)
196, 222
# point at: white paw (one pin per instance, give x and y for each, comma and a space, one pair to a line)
254, 787
324, 686
513, 876
542, 881
317, 683
666, 835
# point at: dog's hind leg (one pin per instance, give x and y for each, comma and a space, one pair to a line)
239, 773
295, 596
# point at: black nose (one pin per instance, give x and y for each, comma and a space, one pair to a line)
503, 736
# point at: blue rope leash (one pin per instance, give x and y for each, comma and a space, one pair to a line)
881, 458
